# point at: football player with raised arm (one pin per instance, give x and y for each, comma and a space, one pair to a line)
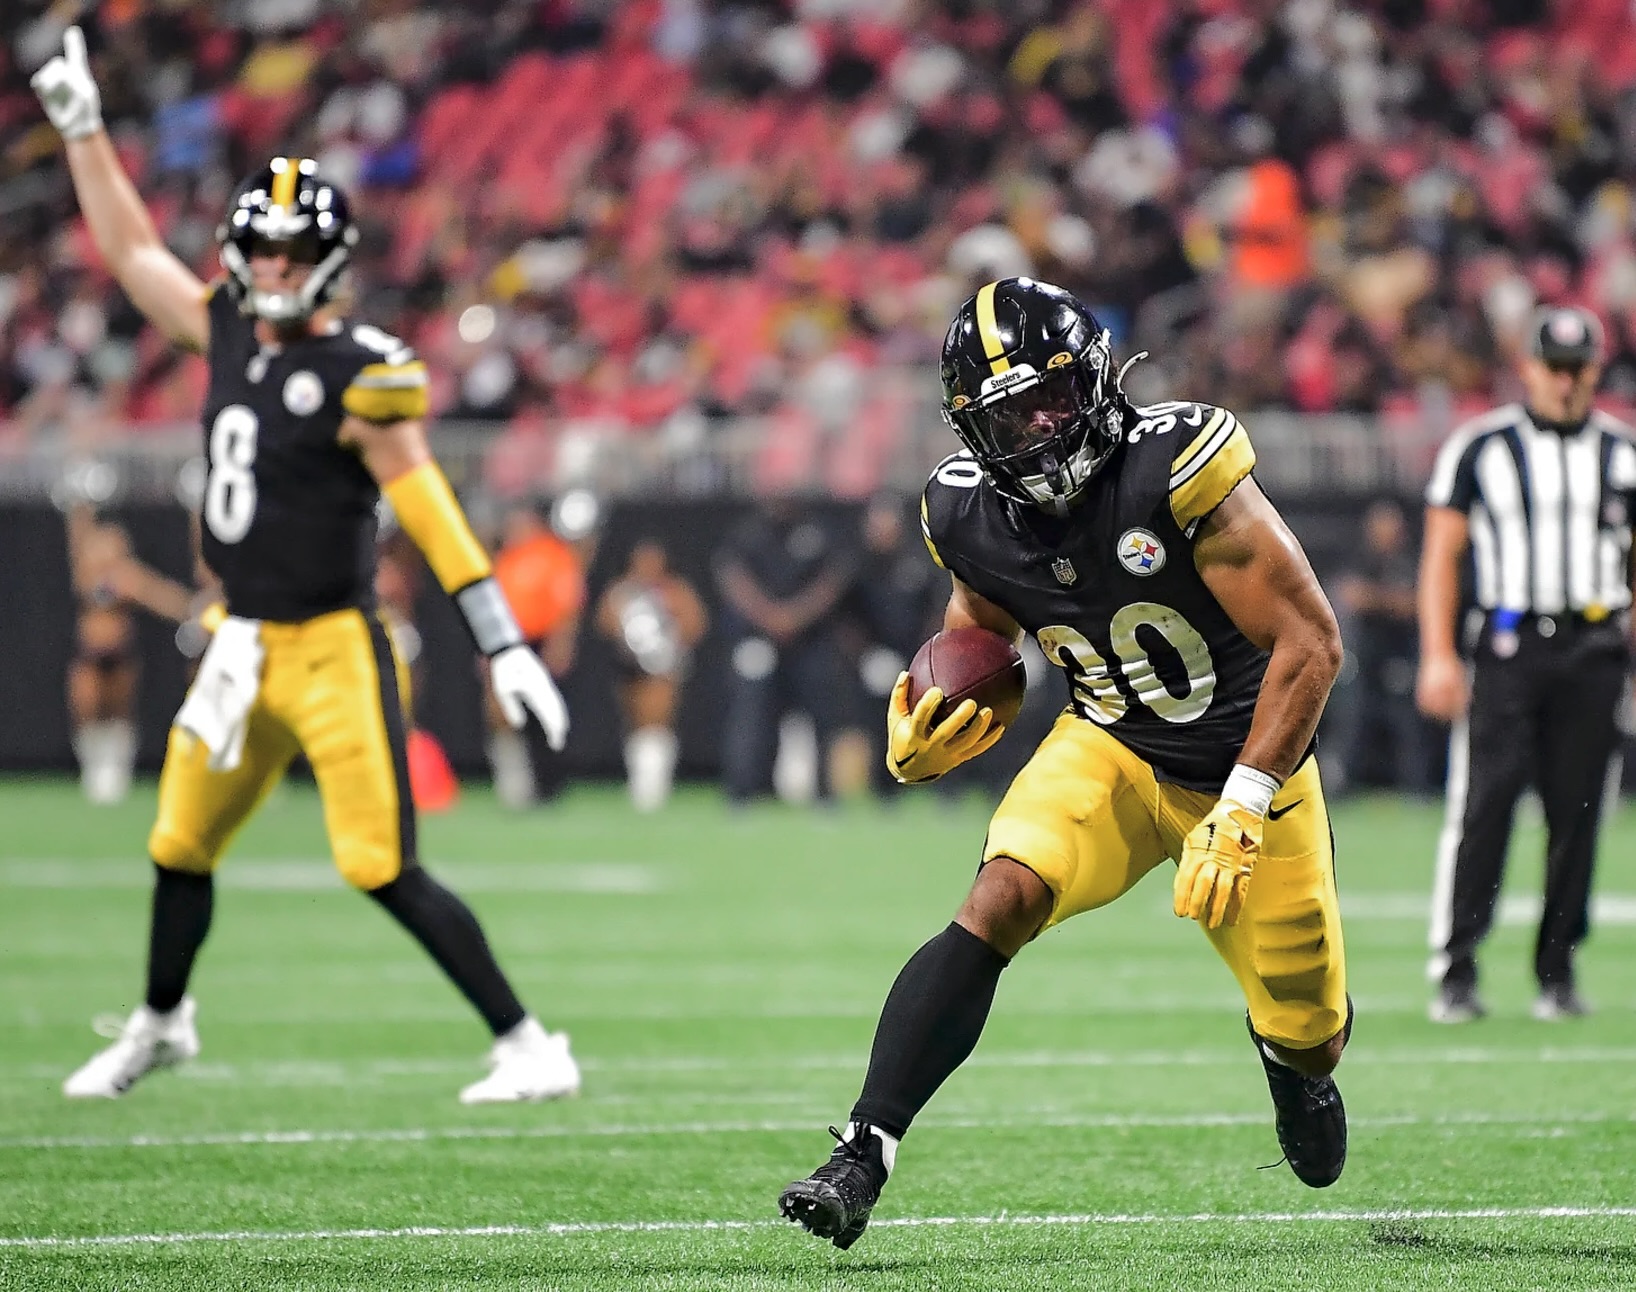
1135, 546
309, 419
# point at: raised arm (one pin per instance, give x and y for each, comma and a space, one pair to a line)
167, 292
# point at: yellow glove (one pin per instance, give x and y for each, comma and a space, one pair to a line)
917, 751
1219, 853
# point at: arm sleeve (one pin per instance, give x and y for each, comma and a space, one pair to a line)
1209, 468
432, 517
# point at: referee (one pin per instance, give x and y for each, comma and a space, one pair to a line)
1542, 495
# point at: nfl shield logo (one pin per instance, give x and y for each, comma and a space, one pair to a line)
1141, 552
1063, 568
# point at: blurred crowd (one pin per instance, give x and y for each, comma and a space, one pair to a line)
609, 225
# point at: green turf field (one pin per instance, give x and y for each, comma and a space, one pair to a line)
721, 976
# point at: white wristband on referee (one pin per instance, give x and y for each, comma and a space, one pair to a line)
1251, 788
488, 616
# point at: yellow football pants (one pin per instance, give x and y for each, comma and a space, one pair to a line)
1089, 817
330, 689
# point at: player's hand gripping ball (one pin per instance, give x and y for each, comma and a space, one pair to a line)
963, 688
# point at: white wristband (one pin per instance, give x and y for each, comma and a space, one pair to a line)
488, 616
1250, 788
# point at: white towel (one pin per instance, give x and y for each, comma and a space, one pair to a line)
217, 707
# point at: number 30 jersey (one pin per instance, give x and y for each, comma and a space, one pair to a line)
1111, 592
288, 514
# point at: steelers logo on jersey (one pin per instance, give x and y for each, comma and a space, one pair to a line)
303, 393
1141, 552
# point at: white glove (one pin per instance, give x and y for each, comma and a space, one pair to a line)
522, 686
67, 91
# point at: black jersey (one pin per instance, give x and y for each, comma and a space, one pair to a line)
1111, 592
288, 517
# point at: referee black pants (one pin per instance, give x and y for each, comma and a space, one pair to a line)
1544, 714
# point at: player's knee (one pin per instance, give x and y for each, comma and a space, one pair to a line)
1007, 905
174, 850
368, 868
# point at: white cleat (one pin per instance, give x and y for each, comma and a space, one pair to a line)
526, 1063
144, 1042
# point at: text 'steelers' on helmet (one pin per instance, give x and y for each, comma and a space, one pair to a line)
1030, 389
287, 208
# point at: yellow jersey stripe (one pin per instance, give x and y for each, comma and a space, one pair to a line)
283, 193
386, 404
1223, 436
1199, 441
1202, 487
926, 533
391, 376
988, 330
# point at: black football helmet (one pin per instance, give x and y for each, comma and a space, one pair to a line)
1030, 388
288, 207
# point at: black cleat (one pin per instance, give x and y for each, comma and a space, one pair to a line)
834, 1202
1311, 1119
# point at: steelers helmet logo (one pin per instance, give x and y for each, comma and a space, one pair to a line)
303, 393
1141, 552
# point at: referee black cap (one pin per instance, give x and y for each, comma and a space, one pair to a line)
1566, 335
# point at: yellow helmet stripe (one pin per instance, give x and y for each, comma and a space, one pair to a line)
283, 193
988, 328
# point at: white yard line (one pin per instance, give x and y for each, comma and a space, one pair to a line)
1091, 1121
318, 874
624, 876
323, 1072
593, 1227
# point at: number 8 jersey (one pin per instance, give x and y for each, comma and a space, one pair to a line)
1111, 592
288, 515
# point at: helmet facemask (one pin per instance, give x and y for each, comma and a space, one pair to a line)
1042, 437
322, 238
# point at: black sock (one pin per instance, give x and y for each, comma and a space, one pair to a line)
931, 1020
445, 926
182, 904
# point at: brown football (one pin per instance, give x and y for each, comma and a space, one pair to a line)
970, 664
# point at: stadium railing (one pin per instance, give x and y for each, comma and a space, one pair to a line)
1330, 456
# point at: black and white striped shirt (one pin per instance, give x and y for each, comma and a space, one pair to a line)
1550, 514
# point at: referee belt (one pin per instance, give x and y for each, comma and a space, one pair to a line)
1570, 622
